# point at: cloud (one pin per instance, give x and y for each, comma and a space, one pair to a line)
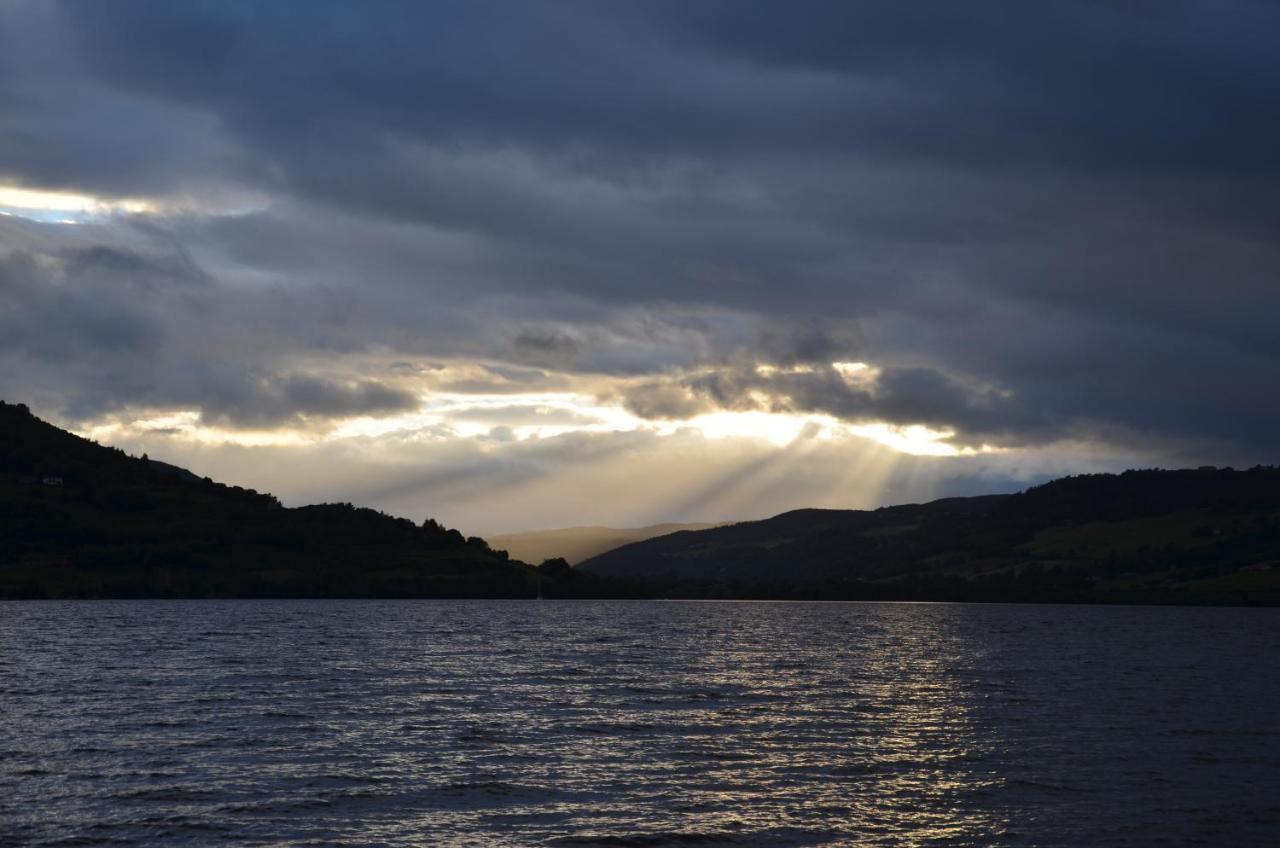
69, 313
515, 415
118, 326
976, 415
294, 398
665, 400
352, 208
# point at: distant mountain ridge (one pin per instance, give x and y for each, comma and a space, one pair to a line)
1205, 535
575, 544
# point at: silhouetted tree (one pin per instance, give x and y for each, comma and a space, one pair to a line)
555, 568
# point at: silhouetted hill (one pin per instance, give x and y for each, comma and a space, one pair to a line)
1200, 536
81, 520
576, 544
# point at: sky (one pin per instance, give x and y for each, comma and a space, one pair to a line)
516, 265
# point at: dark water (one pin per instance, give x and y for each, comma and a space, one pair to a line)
585, 723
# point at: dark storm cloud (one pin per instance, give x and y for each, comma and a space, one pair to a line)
1039, 220
121, 327
667, 400
126, 268
549, 347
1183, 85
1133, 86
294, 398
68, 317
903, 396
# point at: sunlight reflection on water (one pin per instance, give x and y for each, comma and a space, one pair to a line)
646, 723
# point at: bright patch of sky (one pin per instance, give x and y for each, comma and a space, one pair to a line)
64, 207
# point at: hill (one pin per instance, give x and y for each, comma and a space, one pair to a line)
81, 520
1193, 536
575, 544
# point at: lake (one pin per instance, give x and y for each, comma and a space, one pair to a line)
636, 723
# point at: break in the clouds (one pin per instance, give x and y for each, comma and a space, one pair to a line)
474, 248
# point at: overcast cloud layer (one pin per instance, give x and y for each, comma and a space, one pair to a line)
1046, 229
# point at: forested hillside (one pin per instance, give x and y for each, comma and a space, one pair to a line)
1200, 536
81, 520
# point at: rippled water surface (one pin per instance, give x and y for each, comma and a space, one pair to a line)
636, 723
